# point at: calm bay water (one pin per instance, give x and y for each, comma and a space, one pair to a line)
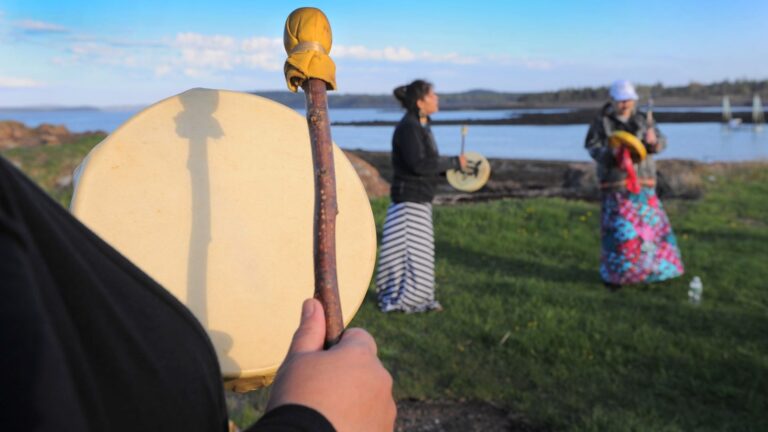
706, 142
700, 141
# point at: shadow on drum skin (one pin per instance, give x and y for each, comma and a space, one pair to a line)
223, 342
197, 124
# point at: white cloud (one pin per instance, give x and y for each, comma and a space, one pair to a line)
523, 62
162, 70
13, 82
397, 55
199, 41
262, 43
360, 52
62, 61
197, 53
93, 49
194, 73
453, 58
200, 55
537, 64
118, 43
264, 61
32, 26
101, 53
208, 59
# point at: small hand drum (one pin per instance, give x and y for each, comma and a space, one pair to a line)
635, 146
212, 194
473, 177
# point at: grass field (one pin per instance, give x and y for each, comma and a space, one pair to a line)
528, 326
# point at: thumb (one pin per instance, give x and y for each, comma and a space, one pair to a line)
310, 335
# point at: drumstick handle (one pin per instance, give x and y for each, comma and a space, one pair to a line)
649, 114
326, 284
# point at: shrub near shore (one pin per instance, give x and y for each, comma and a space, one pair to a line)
529, 328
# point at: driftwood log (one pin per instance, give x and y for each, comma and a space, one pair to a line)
518, 178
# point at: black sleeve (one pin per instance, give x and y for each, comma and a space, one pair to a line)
88, 342
292, 418
596, 144
36, 389
596, 141
414, 153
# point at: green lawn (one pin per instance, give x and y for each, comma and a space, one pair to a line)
529, 327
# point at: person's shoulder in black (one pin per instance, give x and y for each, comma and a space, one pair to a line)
91, 343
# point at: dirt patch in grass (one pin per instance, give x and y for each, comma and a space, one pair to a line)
455, 416
412, 415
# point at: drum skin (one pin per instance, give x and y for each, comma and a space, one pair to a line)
474, 178
211, 193
635, 146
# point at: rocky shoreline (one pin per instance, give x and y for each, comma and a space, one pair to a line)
15, 134
519, 178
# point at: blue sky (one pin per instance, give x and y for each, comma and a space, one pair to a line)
74, 52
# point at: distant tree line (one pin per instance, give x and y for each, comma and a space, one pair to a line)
740, 92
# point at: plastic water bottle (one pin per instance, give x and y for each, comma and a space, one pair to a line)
694, 290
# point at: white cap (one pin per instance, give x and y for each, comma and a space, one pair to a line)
622, 90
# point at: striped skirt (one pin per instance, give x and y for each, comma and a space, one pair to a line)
638, 245
405, 278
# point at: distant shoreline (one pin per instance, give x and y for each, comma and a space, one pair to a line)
694, 94
51, 108
576, 117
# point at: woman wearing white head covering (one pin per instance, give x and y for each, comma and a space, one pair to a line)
638, 244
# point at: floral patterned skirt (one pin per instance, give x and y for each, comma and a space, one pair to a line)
638, 244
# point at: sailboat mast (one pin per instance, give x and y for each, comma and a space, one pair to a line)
726, 109
758, 117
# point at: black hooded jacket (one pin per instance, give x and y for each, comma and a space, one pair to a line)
416, 162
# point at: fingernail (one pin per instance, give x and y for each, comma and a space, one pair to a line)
307, 308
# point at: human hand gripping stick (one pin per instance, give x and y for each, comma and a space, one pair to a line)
347, 383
